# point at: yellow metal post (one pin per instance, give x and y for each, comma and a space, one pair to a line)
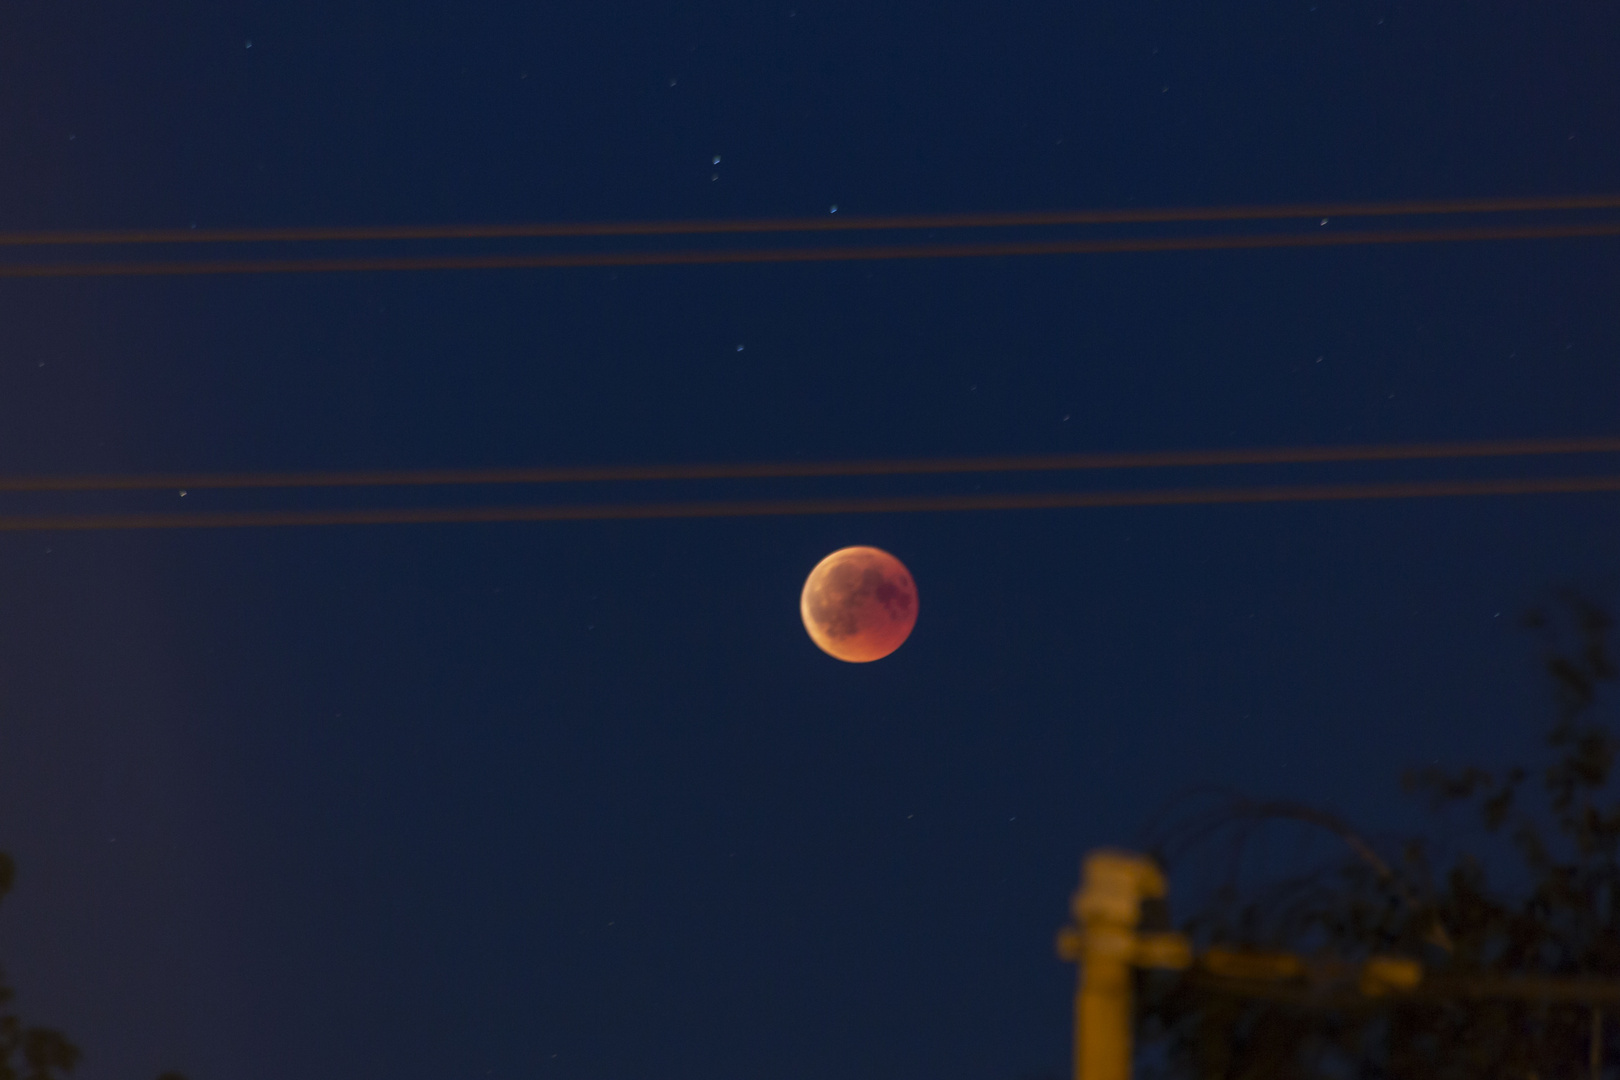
1104, 941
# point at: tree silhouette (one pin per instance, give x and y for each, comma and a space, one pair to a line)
30, 1052
1541, 899
45, 1053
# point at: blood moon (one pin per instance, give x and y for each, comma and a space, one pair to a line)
859, 604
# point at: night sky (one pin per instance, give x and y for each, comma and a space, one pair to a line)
582, 799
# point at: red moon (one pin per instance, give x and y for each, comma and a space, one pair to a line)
859, 604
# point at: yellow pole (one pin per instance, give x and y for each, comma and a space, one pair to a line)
1107, 909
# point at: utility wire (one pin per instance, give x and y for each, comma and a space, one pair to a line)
864, 253
785, 507
828, 223
781, 470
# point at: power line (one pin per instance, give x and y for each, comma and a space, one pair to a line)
230, 519
1435, 986
828, 223
866, 253
1288, 455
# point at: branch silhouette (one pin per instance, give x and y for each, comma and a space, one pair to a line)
1539, 900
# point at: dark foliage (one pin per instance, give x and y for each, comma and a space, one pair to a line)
28, 1052
1549, 906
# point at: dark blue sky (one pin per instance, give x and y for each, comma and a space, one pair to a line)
582, 800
